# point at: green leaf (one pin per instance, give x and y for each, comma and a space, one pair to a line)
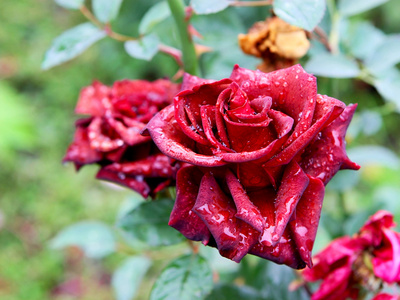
106, 10
229, 292
353, 7
144, 48
70, 4
127, 278
364, 39
372, 154
148, 223
156, 14
302, 13
336, 66
204, 7
385, 56
71, 43
95, 238
389, 86
188, 277
387, 197
344, 180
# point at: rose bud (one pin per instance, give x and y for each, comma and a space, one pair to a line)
110, 136
278, 43
262, 147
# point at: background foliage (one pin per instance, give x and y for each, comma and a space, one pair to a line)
40, 197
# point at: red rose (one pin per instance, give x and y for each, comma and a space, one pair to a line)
342, 265
261, 146
111, 137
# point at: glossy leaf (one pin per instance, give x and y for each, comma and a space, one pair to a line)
70, 4
127, 278
148, 223
153, 16
302, 13
203, 7
385, 56
71, 43
187, 278
336, 66
94, 238
144, 48
353, 7
106, 10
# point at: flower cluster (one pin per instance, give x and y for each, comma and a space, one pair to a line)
110, 136
365, 261
260, 147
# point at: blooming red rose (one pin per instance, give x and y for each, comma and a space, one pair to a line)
111, 137
386, 296
262, 147
342, 265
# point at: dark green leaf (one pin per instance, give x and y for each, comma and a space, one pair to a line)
336, 66
229, 292
70, 4
302, 13
203, 7
148, 223
106, 10
187, 278
71, 43
372, 154
127, 278
144, 48
353, 7
153, 16
94, 238
385, 56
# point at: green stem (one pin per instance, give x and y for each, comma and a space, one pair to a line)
334, 34
189, 57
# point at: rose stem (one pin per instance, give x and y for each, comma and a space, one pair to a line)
251, 3
189, 57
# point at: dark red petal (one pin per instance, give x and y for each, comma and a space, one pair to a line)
129, 134
100, 141
302, 141
252, 176
246, 210
327, 154
282, 123
209, 122
190, 81
234, 237
294, 183
182, 217
169, 138
93, 100
135, 183
293, 91
308, 211
80, 152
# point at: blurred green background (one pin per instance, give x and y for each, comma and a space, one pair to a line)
39, 196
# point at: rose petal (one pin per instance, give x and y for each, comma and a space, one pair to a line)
182, 217
327, 154
80, 152
302, 141
282, 123
100, 141
130, 135
93, 100
308, 211
246, 210
169, 138
294, 183
388, 268
234, 237
190, 81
